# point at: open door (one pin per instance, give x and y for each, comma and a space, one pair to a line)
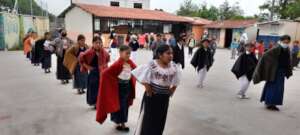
228, 37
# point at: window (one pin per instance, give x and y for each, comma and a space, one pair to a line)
137, 5
97, 24
114, 4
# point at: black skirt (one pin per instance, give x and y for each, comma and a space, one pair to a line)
122, 115
62, 72
153, 114
46, 60
80, 79
93, 87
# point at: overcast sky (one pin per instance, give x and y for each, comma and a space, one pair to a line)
250, 7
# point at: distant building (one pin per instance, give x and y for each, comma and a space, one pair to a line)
272, 30
89, 19
197, 26
226, 31
142, 4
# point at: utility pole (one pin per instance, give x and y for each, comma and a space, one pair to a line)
16, 7
272, 11
31, 7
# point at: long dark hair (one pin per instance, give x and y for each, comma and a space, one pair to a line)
161, 50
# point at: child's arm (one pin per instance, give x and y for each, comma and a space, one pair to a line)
148, 89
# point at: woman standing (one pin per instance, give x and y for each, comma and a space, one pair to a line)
46, 52
71, 62
160, 78
94, 60
61, 45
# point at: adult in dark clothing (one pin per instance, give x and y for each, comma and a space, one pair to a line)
202, 61
46, 52
38, 51
178, 52
244, 68
273, 67
134, 45
61, 45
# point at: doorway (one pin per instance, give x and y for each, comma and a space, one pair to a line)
228, 37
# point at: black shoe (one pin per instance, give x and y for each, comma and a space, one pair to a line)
67, 81
125, 129
119, 128
275, 108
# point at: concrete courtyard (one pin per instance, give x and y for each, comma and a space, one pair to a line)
33, 103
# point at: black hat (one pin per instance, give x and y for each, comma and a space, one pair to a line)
205, 40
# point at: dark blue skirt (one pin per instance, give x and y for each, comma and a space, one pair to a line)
62, 72
122, 115
46, 60
273, 91
93, 86
80, 79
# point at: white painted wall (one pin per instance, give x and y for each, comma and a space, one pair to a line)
78, 22
251, 33
285, 27
123, 3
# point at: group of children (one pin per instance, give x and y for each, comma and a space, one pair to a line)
111, 89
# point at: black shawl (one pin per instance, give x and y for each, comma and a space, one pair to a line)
202, 58
245, 65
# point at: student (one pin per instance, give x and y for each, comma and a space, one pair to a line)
134, 45
37, 51
61, 45
178, 53
94, 60
295, 52
234, 46
277, 62
117, 90
260, 48
202, 61
191, 44
46, 52
113, 46
71, 62
155, 44
27, 44
243, 69
160, 78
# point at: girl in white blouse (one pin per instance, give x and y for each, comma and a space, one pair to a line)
160, 78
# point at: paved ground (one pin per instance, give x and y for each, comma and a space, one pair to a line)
32, 103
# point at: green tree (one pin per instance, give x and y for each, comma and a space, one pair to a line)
25, 7
188, 8
211, 13
228, 11
283, 9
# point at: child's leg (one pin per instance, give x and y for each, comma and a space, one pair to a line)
201, 76
244, 85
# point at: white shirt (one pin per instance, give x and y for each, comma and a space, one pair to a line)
126, 72
153, 73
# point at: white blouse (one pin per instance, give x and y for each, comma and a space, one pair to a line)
126, 72
153, 73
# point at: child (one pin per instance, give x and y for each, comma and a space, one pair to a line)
94, 60
244, 68
160, 78
72, 64
202, 61
233, 46
117, 90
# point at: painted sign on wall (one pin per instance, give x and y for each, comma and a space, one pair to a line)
11, 30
